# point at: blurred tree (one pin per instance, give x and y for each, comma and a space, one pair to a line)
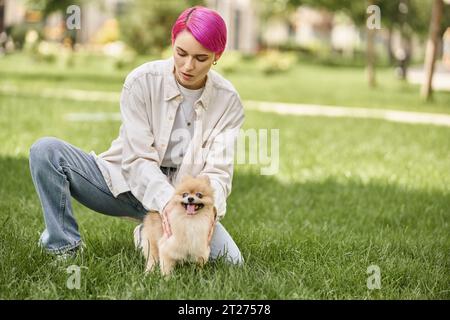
2, 16
409, 17
50, 6
356, 10
430, 58
419, 18
47, 7
146, 25
276, 8
270, 10
370, 51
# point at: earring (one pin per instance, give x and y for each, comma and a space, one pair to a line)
215, 62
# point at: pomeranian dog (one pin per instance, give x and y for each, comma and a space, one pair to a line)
191, 218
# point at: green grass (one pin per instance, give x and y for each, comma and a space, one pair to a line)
350, 193
304, 83
342, 86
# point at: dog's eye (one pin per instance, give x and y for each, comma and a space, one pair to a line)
185, 194
199, 195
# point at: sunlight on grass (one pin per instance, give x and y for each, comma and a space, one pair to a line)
304, 83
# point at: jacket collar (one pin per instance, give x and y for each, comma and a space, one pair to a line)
171, 87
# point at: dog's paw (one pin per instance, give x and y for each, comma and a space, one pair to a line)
149, 270
201, 261
151, 265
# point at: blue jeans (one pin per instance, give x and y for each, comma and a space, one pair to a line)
60, 171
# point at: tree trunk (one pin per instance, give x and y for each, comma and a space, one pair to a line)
390, 52
2, 15
371, 57
407, 49
430, 55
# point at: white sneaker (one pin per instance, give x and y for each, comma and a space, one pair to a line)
137, 235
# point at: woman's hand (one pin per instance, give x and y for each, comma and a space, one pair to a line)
213, 224
165, 220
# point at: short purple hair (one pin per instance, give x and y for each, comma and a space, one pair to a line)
206, 25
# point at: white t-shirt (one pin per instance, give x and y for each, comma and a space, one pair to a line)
182, 133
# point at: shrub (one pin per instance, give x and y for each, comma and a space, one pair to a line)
48, 51
229, 62
146, 25
109, 32
19, 32
273, 61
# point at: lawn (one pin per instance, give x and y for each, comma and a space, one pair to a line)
350, 193
303, 83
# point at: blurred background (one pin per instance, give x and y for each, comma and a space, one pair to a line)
274, 35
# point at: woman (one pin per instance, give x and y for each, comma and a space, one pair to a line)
178, 117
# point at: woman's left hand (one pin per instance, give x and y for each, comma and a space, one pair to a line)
165, 220
213, 224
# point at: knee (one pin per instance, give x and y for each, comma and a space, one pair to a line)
235, 258
222, 245
44, 148
232, 256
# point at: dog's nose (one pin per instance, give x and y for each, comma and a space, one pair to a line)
190, 199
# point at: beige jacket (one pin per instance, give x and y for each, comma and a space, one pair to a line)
149, 101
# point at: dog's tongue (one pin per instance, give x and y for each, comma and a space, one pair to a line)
191, 208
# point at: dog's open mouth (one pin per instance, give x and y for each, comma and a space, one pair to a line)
192, 208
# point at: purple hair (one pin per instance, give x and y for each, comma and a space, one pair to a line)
206, 25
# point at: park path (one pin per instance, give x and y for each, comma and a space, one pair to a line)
272, 107
349, 112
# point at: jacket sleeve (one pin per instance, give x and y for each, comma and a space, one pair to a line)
220, 158
140, 160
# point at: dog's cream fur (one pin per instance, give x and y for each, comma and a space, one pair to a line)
191, 230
